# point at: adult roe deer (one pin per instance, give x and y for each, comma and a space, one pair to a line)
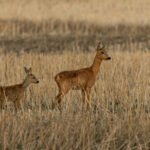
16, 92
82, 79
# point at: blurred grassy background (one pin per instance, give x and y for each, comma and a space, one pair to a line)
52, 25
101, 12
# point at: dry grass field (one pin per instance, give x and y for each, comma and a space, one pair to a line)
51, 36
119, 117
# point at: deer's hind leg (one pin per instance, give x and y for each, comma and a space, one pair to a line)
58, 100
63, 90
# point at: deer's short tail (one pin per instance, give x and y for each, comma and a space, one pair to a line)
57, 78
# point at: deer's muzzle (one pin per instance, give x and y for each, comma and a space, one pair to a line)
108, 58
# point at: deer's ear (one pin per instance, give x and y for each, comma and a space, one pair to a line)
103, 47
100, 46
27, 70
30, 70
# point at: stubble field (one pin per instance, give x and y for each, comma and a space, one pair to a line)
53, 40
119, 116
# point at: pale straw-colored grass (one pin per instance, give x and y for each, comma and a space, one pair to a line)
119, 118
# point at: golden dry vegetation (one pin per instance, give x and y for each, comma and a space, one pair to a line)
51, 36
119, 118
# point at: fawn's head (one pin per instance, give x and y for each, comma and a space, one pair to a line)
30, 77
101, 52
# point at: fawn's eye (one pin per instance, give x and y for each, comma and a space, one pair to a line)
102, 52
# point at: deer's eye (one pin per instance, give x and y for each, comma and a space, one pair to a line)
102, 52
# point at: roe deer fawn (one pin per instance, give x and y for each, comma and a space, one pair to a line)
82, 79
16, 92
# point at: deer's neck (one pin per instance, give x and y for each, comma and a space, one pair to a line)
96, 65
25, 83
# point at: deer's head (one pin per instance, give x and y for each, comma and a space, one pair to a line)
101, 52
30, 77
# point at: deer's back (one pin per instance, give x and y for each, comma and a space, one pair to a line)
76, 78
11, 92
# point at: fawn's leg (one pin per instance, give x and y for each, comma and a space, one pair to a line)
17, 105
88, 91
25, 99
1, 104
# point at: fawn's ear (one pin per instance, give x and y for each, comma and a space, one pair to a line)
30, 70
100, 46
27, 71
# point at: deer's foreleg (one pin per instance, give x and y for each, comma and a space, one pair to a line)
83, 97
1, 104
25, 99
17, 104
88, 91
